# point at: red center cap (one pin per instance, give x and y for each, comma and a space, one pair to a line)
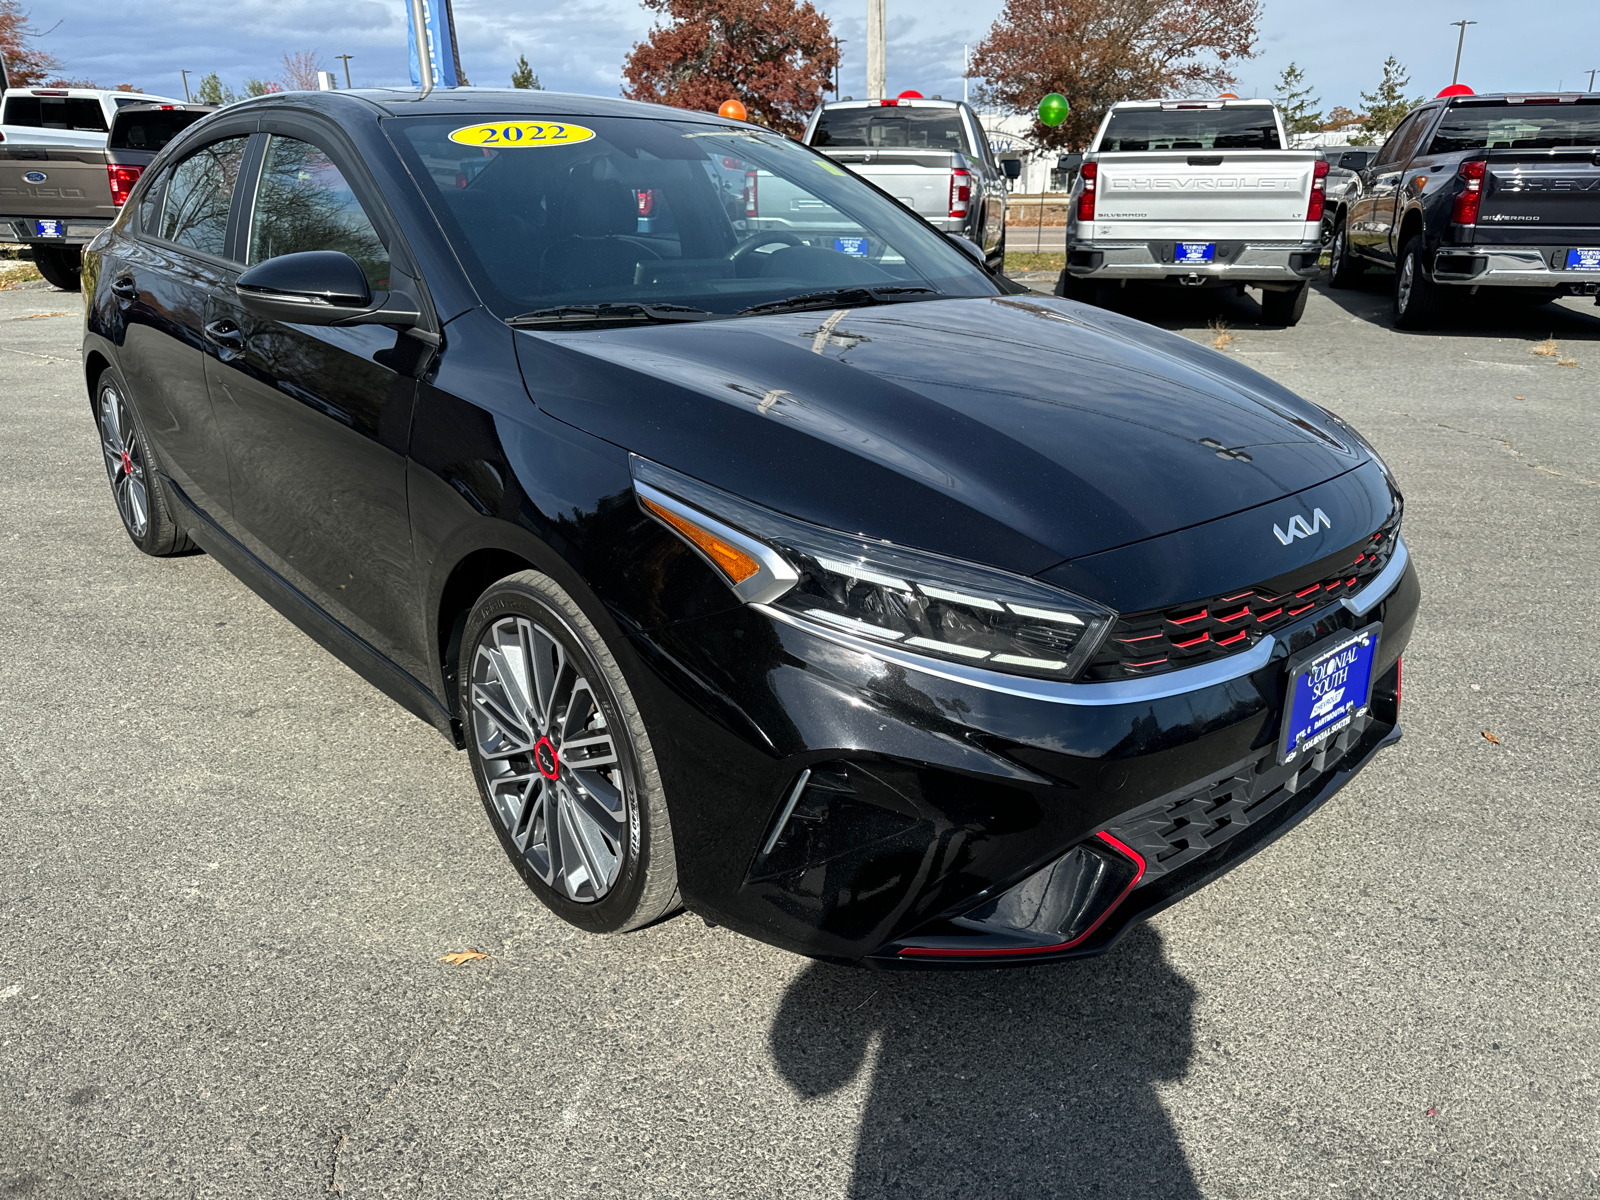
544, 757
127, 462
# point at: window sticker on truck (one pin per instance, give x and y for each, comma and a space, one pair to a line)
853, 246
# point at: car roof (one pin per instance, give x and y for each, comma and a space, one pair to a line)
462, 101
1521, 97
896, 102
81, 93
1194, 102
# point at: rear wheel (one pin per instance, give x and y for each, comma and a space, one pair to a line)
142, 501
1085, 291
1418, 301
1284, 308
562, 758
61, 266
1343, 270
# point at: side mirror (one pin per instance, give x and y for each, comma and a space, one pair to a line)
320, 287
1353, 160
971, 247
1012, 167
1069, 162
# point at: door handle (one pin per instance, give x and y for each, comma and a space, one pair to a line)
125, 288
225, 335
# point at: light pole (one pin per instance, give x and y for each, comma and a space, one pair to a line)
1591, 78
1456, 74
838, 64
347, 58
187, 99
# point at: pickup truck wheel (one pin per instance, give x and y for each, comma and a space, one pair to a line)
1284, 308
61, 266
1417, 298
1343, 271
1084, 291
997, 260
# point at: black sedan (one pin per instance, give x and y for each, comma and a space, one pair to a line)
815, 580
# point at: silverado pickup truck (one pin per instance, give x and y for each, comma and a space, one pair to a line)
1498, 192
63, 116
57, 197
1196, 193
930, 154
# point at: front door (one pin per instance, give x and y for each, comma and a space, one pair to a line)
317, 419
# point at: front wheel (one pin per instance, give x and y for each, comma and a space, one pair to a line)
562, 758
1417, 298
61, 266
1343, 270
1284, 308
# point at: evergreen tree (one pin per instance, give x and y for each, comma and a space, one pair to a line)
211, 91
523, 76
1387, 105
1296, 102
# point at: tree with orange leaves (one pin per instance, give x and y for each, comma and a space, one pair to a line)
1097, 52
25, 66
776, 56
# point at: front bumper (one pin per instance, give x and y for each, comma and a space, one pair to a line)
1511, 266
1155, 262
839, 801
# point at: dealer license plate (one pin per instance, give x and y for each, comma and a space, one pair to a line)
49, 229
1586, 259
1329, 685
1196, 252
856, 247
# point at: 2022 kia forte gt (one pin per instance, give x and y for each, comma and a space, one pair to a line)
766, 554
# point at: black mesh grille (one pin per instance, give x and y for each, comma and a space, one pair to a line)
1168, 639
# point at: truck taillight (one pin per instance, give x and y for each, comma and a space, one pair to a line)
1466, 207
751, 208
1089, 173
960, 191
122, 180
1319, 190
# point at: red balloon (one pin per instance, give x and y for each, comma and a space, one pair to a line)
909, 94
1456, 89
733, 110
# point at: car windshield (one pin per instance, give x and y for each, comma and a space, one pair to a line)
654, 213
1198, 128
1502, 126
901, 127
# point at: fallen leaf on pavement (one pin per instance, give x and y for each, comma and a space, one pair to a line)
1491, 737
461, 956
1519, 397
1547, 348
1433, 1112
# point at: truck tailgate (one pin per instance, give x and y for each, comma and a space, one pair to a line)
1540, 196
55, 182
1252, 195
919, 179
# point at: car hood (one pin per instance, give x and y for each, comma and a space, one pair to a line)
1015, 431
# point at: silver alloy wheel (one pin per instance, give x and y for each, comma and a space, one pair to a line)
555, 778
125, 462
1404, 284
1338, 250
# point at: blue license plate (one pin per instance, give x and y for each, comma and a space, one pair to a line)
855, 247
49, 229
1196, 252
1329, 685
1587, 259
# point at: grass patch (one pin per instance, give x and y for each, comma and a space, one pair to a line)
1224, 335
22, 272
1019, 260
1548, 348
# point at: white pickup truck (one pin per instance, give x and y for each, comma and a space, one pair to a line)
1196, 193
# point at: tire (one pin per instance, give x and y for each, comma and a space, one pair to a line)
131, 466
1343, 270
1284, 308
1417, 299
593, 843
61, 266
1084, 291
997, 261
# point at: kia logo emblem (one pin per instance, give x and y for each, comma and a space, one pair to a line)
1299, 527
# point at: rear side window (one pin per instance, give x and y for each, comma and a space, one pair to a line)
149, 130
304, 203
1141, 129
194, 211
891, 128
1502, 126
56, 112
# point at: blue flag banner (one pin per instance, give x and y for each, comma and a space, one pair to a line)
442, 50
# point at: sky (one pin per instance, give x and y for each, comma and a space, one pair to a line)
579, 46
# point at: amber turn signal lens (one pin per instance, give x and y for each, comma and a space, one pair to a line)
732, 561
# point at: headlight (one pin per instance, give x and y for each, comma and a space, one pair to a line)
1355, 434
926, 603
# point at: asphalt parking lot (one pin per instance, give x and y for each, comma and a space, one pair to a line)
231, 869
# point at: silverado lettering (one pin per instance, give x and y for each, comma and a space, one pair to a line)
1201, 184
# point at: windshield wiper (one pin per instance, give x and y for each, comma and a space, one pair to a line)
851, 297
590, 314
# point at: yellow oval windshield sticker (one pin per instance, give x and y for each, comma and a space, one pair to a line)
517, 134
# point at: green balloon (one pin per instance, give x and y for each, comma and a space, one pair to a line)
1053, 109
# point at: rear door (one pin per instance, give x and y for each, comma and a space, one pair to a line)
1371, 227
317, 419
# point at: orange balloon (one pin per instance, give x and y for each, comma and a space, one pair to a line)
732, 109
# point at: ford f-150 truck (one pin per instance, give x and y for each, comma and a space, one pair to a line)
1498, 192
56, 197
63, 116
1196, 193
930, 154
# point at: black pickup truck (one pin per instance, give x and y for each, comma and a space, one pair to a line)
1473, 192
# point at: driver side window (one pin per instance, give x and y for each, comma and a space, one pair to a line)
303, 202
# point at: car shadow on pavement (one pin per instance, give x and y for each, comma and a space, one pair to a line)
1371, 299
1030, 1082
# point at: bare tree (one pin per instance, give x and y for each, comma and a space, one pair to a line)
300, 71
